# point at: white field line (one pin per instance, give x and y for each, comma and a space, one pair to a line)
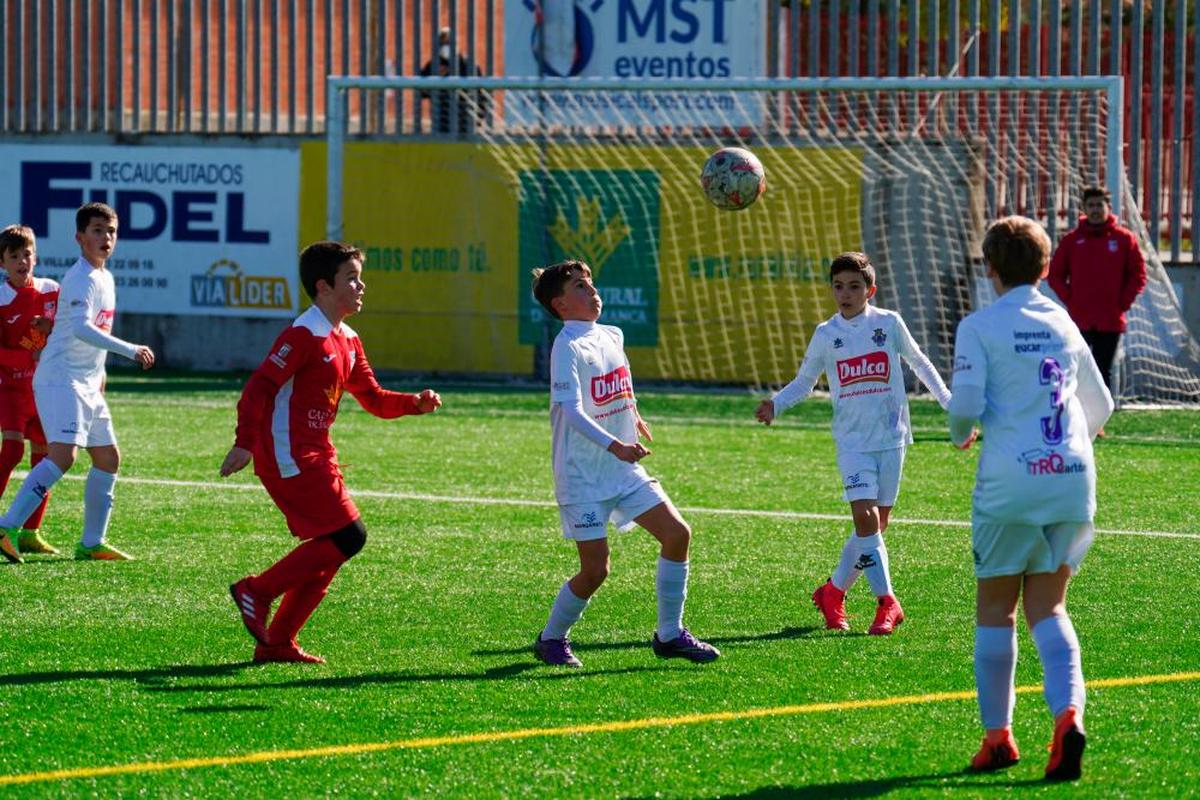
538, 416
516, 501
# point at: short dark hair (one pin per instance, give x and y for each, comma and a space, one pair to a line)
320, 261
16, 237
1018, 249
853, 262
1095, 190
88, 212
548, 282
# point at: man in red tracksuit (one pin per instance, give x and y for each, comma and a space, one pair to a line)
1098, 271
284, 416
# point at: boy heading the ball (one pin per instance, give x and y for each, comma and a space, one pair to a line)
27, 308
68, 387
286, 410
859, 350
595, 429
1024, 371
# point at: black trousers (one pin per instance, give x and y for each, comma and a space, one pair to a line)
1103, 345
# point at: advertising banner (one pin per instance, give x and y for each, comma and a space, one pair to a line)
211, 230
701, 294
636, 39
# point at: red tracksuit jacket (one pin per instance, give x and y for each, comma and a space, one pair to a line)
1098, 271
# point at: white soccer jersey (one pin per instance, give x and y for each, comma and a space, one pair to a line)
588, 363
861, 359
1036, 372
87, 297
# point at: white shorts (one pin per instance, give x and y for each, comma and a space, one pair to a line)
873, 475
73, 417
1007, 549
586, 521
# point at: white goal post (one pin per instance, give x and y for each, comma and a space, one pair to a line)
909, 170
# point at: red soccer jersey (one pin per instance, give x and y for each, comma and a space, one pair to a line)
19, 340
291, 400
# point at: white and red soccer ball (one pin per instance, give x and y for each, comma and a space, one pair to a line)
733, 178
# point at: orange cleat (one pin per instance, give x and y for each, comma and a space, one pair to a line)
1066, 751
998, 751
831, 601
888, 615
287, 653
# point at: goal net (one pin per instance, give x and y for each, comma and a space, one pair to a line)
909, 171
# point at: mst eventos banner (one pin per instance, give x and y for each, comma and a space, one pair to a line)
203, 230
451, 232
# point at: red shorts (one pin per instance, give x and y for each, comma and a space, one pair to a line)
18, 412
315, 502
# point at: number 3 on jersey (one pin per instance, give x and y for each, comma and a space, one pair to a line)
1051, 374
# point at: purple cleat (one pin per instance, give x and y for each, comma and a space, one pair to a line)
555, 652
685, 646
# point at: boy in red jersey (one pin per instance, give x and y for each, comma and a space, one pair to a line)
27, 306
284, 416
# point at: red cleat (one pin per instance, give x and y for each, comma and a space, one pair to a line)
253, 607
888, 615
289, 653
998, 752
831, 601
1066, 751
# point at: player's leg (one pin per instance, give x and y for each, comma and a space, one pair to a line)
30, 539
315, 504
98, 498
1062, 668
664, 522
299, 602
995, 668
12, 450
586, 524
873, 553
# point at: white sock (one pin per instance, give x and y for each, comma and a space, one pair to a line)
97, 505
873, 561
845, 575
566, 611
29, 496
670, 583
1062, 666
995, 670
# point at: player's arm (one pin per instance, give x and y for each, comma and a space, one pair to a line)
287, 356
806, 378
1093, 395
382, 402
643, 427
83, 310
968, 400
911, 352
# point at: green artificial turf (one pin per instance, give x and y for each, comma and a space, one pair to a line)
144, 666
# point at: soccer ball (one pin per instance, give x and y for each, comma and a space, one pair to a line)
733, 178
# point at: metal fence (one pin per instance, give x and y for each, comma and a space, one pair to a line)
259, 66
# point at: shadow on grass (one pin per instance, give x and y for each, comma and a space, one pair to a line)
786, 633
504, 672
230, 709
878, 787
150, 676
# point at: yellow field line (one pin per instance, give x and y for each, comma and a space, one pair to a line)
531, 733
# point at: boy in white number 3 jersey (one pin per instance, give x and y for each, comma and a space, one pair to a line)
1024, 371
859, 350
595, 427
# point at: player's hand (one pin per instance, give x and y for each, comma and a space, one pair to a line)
144, 356
765, 413
237, 459
643, 429
43, 325
629, 453
428, 401
970, 440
